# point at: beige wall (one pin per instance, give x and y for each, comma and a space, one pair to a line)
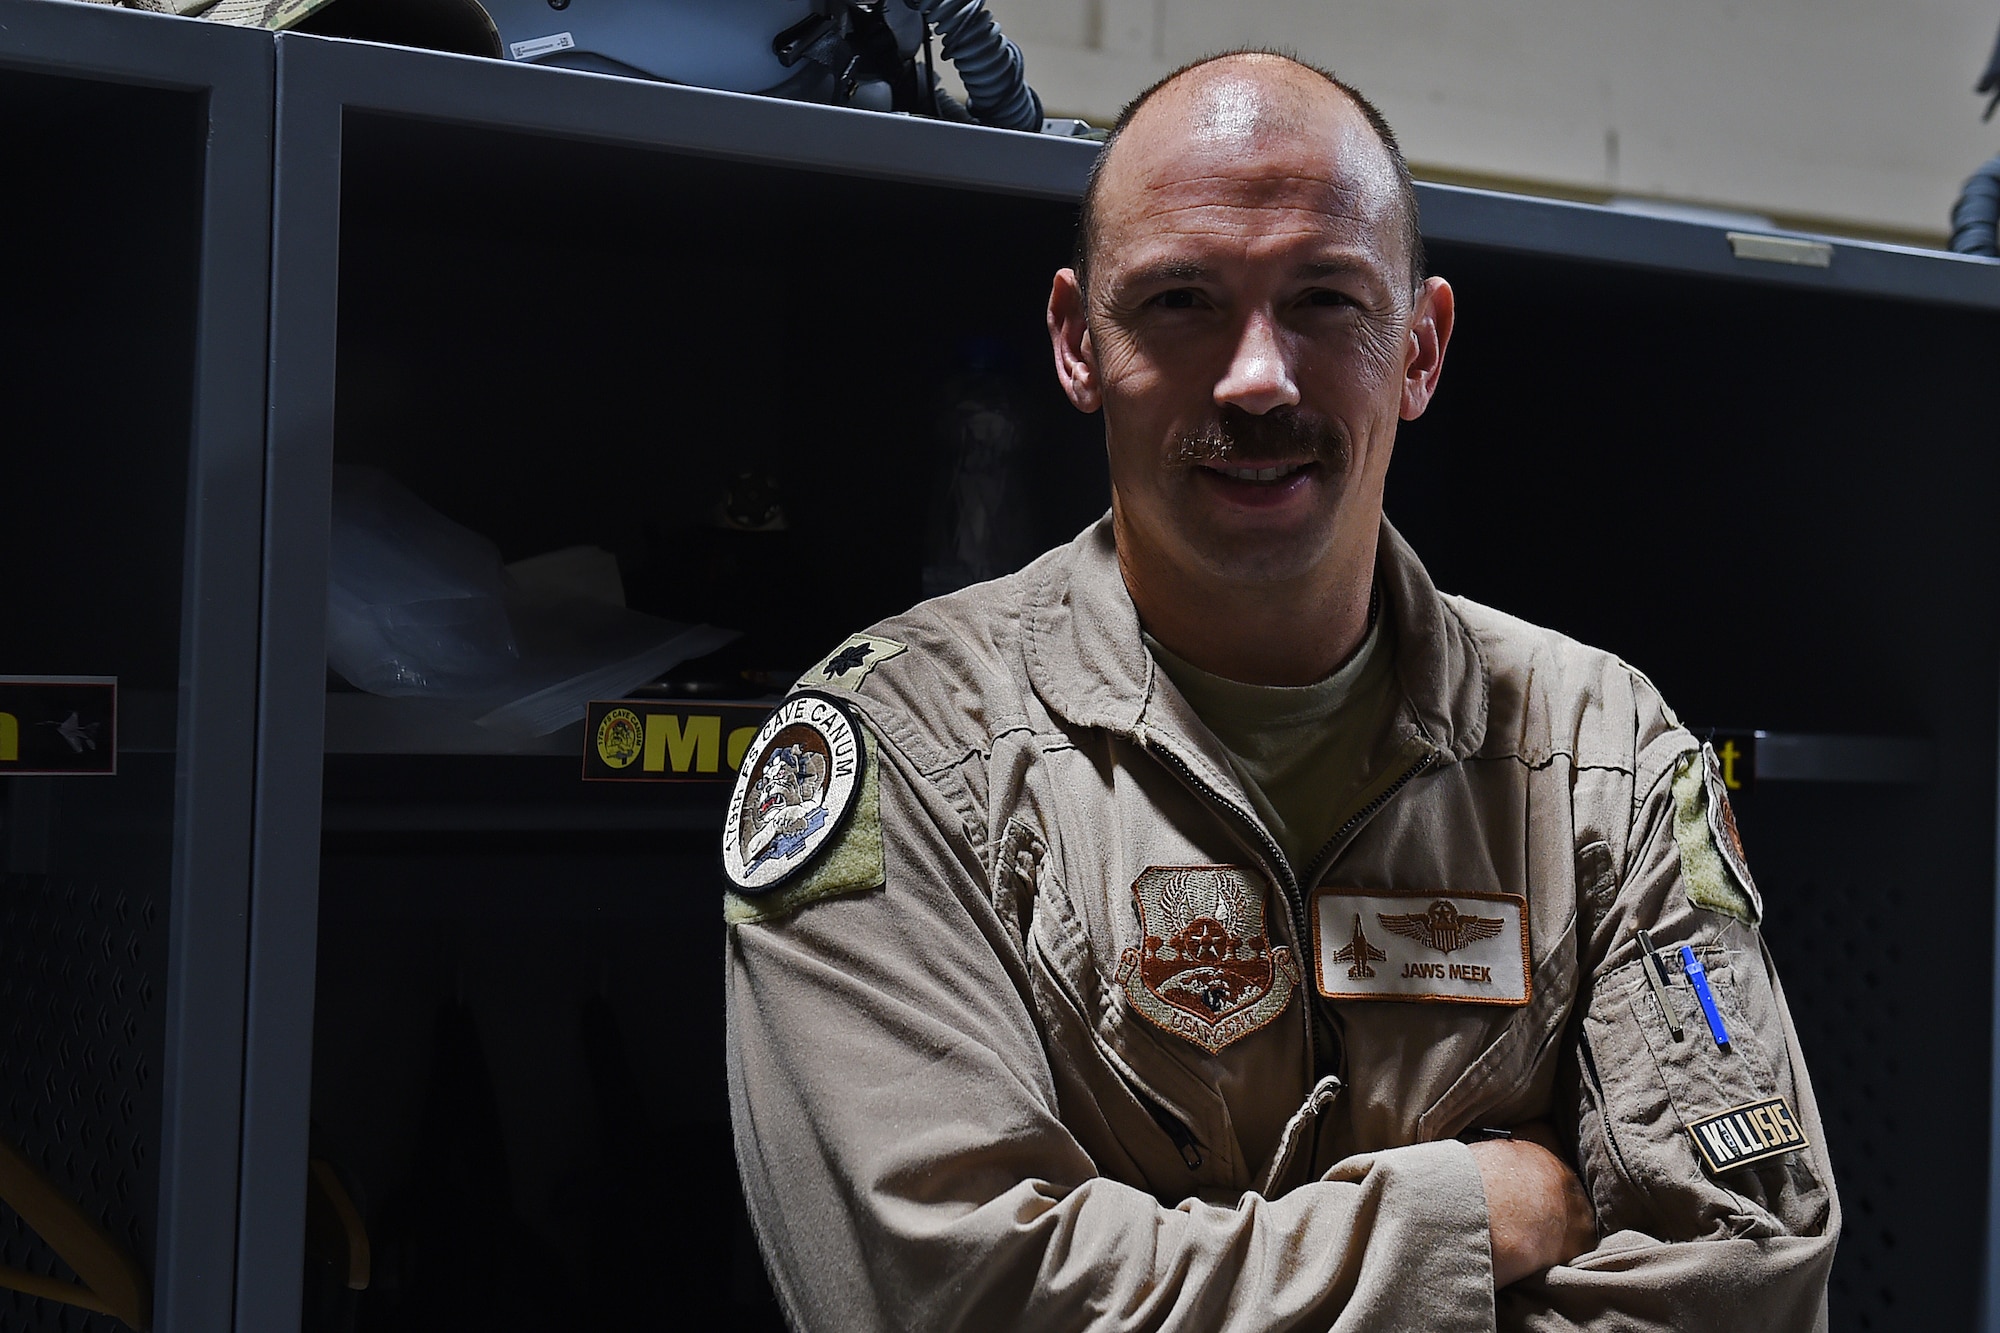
1855, 113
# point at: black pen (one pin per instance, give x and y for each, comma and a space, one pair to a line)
1656, 974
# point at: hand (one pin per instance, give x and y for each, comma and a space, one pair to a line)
1538, 1213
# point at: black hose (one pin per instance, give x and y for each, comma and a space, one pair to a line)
987, 62
1976, 216
1989, 82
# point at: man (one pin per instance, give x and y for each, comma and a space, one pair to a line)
1222, 929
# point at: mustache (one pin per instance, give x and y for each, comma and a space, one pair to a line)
1239, 437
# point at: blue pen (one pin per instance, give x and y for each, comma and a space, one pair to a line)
1697, 976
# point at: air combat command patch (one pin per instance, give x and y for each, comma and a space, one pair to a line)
1722, 825
796, 787
1206, 970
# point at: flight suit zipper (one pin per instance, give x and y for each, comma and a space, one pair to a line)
1595, 1083
1303, 1125
1324, 860
1294, 896
1184, 1140
1275, 865
1365, 813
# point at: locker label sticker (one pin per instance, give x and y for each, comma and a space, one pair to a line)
59, 726
663, 740
538, 47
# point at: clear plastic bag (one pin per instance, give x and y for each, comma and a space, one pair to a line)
419, 607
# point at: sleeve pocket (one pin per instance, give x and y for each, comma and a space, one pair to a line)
1644, 1089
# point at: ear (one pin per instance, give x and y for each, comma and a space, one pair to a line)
1069, 338
1423, 350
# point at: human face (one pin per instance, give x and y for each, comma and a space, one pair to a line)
1251, 332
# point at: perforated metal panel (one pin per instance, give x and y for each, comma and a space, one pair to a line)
1880, 946
80, 1043
1847, 1021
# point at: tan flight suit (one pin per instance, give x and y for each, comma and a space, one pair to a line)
952, 1110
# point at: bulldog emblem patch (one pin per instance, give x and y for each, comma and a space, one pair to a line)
795, 788
1206, 971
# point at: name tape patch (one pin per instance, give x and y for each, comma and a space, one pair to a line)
795, 788
1460, 948
1746, 1134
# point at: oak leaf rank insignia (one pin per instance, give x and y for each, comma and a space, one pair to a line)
848, 665
1206, 969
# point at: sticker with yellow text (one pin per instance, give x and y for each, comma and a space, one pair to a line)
658, 740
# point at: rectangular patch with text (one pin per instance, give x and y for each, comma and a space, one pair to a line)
1458, 948
1746, 1134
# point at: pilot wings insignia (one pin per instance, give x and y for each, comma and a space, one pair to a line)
1358, 952
1443, 927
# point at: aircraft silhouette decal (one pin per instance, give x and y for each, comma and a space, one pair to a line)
1360, 953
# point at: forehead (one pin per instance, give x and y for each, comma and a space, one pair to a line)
1239, 151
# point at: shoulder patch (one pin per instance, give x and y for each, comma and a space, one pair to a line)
796, 786
848, 665
849, 861
1713, 868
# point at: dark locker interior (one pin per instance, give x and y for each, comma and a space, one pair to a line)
96, 352
555, 343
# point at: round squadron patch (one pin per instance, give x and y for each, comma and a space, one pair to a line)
795, 789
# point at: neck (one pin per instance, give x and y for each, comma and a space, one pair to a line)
1283, 633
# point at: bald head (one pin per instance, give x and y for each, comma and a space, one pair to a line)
1232, 103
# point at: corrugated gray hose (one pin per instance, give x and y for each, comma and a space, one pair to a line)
1975, 216
986, 61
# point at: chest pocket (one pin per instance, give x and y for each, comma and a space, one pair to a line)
1646, 1090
